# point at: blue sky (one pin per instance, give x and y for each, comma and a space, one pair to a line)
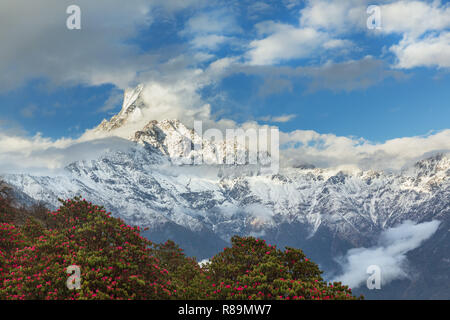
300, 65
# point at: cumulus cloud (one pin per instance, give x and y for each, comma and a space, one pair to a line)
430, 51
203, 262
329, 150
334, 16
320, 26
414, 18
102, 53
389, 255
325, 24
166, 95
287, 42
410, 17
424, 26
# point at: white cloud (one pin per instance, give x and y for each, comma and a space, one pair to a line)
274, 85
44, 156
389, 255
112, 102
410, 17
338, 43
203, 262
284, 43
329, 150
18, 152
291, 4
209, 30
346, 75
257, 8
210, 42
173, 93
321, 25
414, 18
430, 51
218, 21
336, 17
424, 26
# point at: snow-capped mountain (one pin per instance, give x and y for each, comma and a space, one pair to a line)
324, 211
143, 187
131, 110
171, 138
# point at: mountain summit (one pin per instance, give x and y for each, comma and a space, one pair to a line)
132, 106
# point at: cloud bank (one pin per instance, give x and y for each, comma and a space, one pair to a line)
42, 156
329, 150
389, 254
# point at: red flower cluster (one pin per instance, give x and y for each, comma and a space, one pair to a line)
115, 261
252, 269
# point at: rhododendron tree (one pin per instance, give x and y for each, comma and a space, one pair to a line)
185, 273
253, 269
116, 262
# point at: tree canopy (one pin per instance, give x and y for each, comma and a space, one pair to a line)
116, 262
